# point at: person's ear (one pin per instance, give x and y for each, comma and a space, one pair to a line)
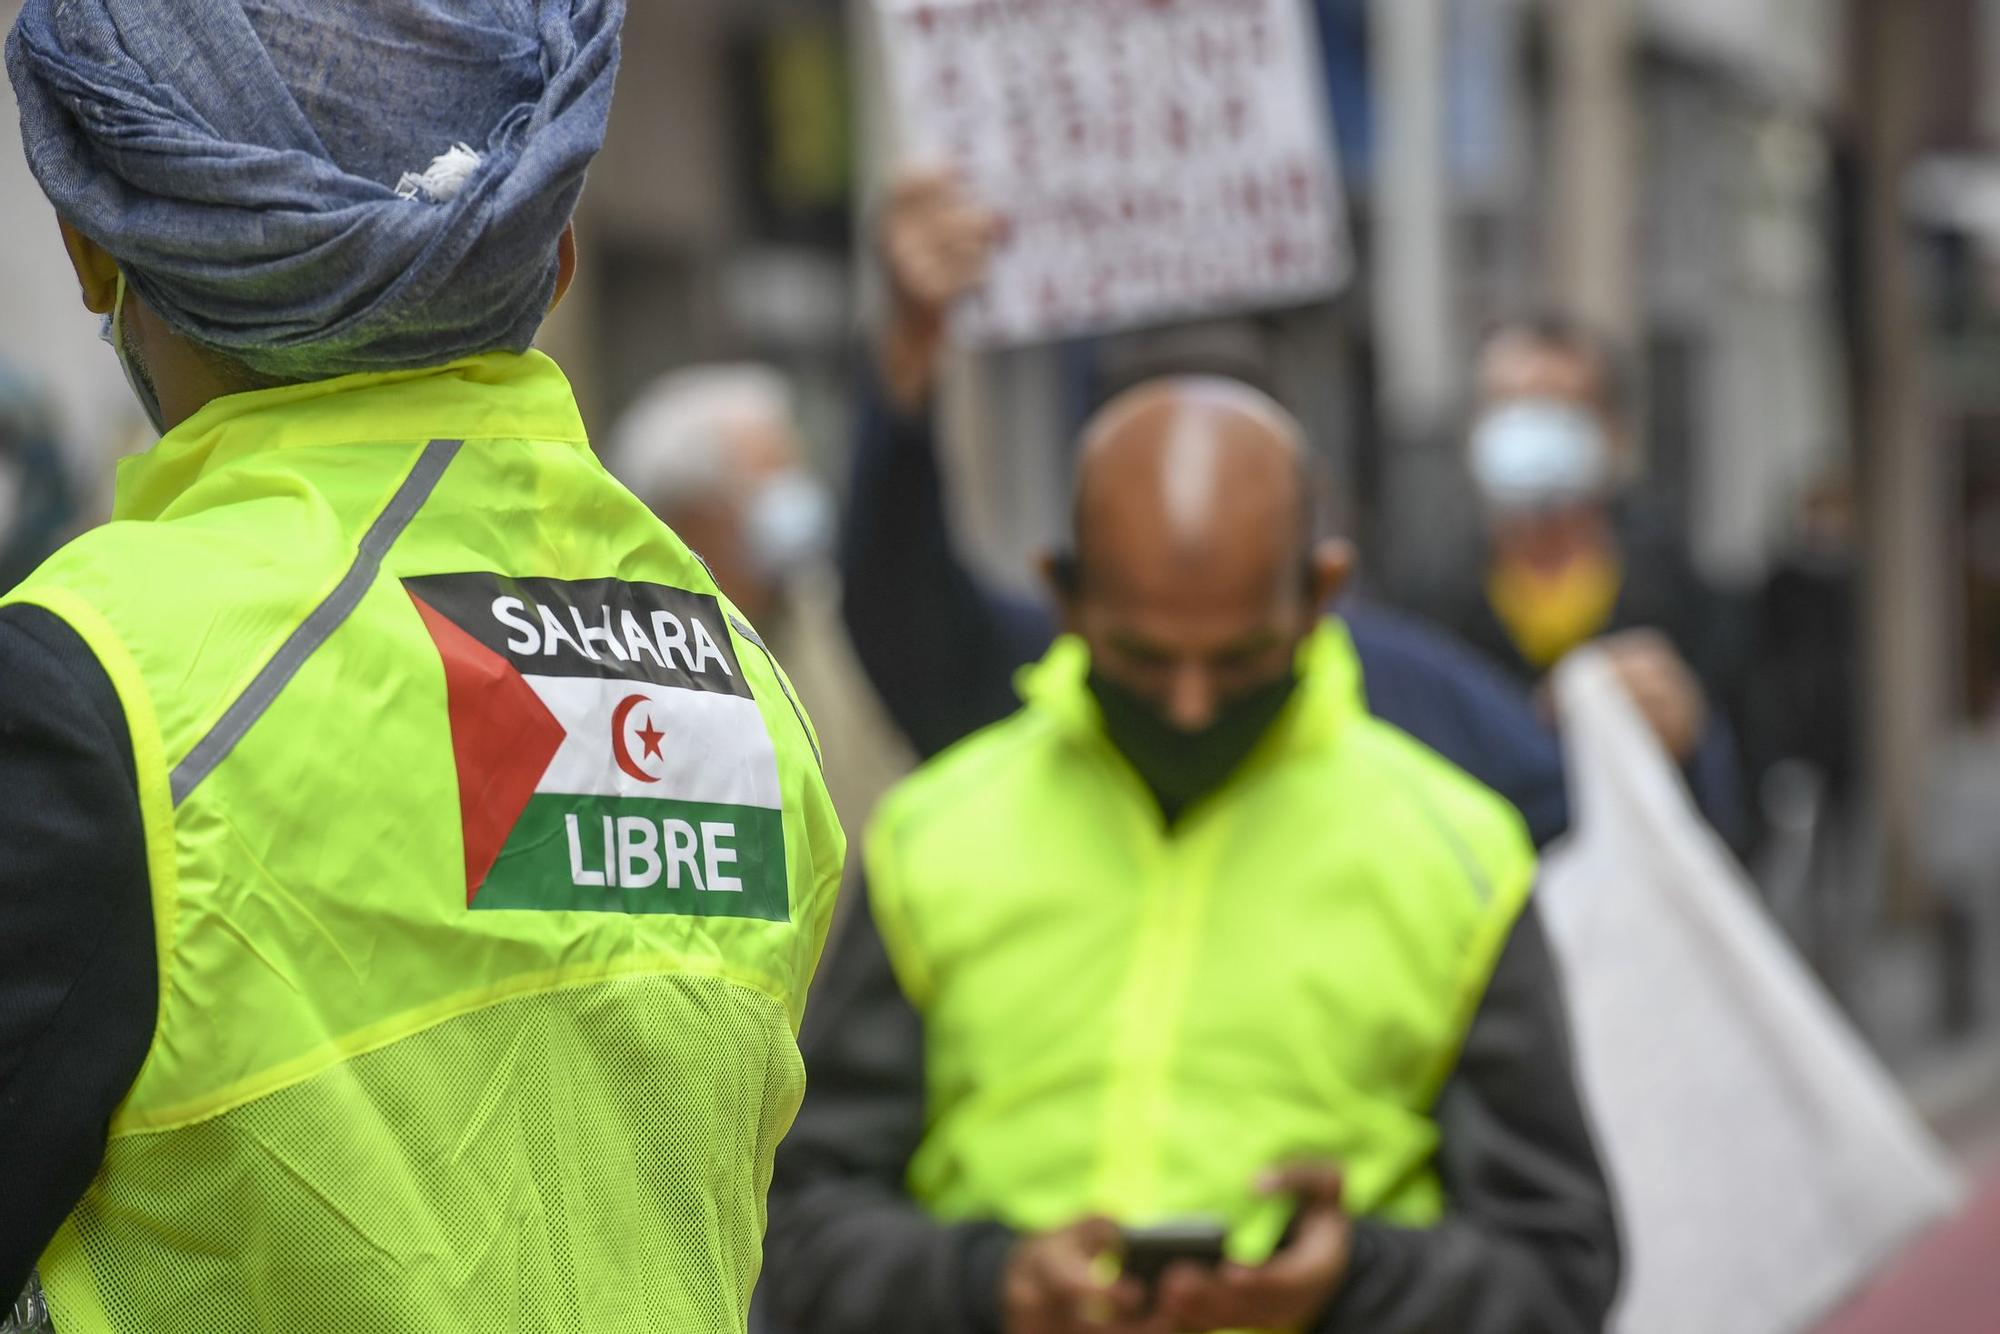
96, 271
1332, 566
1060, 575
565, 265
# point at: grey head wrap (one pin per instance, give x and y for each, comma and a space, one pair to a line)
317, 187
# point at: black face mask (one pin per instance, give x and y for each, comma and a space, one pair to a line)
1180, 766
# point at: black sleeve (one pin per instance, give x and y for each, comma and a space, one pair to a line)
1451, 697
848, 1252
940, 647
1529, 1243
78, 971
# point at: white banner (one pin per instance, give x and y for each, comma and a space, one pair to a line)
1764, 1163
1150, 159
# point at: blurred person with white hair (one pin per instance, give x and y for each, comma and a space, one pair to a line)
716, 451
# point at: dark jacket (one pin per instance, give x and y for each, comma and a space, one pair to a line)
1662, 591
78, 969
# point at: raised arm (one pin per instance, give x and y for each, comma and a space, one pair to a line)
940, 646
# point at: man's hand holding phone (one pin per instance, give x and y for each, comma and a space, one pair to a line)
1057, 1283
1175, 1279
1292, 1289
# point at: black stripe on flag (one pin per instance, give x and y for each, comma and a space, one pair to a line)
602, 628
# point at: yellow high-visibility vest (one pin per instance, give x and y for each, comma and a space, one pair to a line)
490, 864
1135, 1020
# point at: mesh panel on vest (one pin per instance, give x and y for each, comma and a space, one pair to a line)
589, 1159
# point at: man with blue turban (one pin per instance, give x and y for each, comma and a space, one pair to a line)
411, 864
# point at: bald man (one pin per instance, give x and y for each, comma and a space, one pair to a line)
1192, 940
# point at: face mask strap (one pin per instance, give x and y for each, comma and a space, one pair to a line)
149, 402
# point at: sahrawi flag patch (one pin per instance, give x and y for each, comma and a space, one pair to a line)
610, 755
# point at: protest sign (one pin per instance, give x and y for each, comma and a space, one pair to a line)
1149, 160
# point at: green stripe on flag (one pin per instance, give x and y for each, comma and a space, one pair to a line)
642, 856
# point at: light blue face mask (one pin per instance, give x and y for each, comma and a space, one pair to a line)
788, 523
112, 331
1537, 453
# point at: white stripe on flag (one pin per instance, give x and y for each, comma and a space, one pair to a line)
713, 747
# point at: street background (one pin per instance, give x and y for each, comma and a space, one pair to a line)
1789, 209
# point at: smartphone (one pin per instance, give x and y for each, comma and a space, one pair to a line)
1151, 1251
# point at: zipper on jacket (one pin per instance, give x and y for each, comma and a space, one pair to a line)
1147, 1032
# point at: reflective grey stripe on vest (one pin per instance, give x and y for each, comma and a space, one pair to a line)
1453, 838
743, 628
317, 628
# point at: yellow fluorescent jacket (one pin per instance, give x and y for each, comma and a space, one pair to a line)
1127, 1020
490, 863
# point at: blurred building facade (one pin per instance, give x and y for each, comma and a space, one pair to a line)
718, 221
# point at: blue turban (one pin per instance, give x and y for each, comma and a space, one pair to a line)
316, 187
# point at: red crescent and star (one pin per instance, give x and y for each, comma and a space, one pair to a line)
648, 734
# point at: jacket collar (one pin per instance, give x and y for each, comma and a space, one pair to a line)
501, 395
1329, 695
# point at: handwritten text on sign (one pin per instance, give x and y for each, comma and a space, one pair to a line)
1150, 159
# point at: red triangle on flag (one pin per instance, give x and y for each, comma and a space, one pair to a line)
502, 738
